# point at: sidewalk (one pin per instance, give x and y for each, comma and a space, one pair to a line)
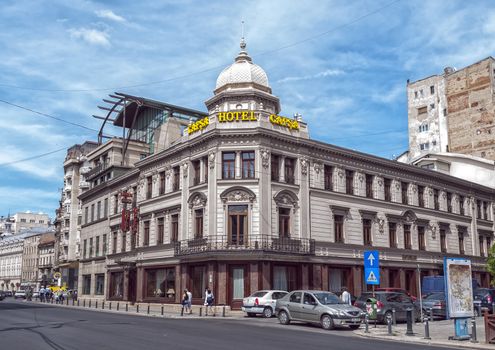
145, 309
439, 333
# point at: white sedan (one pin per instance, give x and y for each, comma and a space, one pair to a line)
262, 302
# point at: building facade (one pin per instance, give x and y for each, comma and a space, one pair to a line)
11, 250
46, 258
28, 221
246, 200
29, 263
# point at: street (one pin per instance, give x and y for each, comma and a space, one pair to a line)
34, 326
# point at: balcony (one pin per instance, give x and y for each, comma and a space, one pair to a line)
83, 184
97, 170
67, 188
256, 243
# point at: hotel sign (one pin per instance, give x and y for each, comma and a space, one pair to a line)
237, 116
198, 125
284, 121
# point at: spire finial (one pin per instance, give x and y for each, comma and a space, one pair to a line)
243, 43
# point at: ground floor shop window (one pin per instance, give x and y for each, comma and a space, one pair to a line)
198, 281
86, 284
284, 278
116, 285
160, 283
99, 284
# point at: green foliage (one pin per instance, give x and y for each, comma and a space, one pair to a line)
491, 264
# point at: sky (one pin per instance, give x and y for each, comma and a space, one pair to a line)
343, 65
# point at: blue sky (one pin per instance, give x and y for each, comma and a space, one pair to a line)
343, 65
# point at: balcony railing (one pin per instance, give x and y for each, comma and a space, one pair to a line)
97, 170
255, 243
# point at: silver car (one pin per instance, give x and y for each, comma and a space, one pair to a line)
262, 302
316, 306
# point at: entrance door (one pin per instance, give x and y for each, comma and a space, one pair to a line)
238, 224
132, 285
238, 286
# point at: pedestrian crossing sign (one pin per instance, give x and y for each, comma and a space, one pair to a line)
372, 276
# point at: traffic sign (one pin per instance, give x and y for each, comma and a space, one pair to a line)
57, 275
371, 259
372, 267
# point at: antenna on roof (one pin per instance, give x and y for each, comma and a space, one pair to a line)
243, 43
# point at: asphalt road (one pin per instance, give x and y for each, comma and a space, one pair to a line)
28, 326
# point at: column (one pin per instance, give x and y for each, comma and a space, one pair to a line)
282, 169
238, 173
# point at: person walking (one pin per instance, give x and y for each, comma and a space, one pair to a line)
189, 300
346, 296
209, 300
185, 300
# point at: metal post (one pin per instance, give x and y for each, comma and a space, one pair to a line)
200, 311
223, 311
148, 309
162, 310
389, 326
137, 308
366, 324
96, 304
182, 311
394, 317
103, 305
126, 307
409, 322
431, 314
89, 305
73, 302
118, 306
110, 305
474, 338
67, 301
427, 328
84, 303
479, 309
77, 302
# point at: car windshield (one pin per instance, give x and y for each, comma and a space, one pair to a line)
327, 298
259, 294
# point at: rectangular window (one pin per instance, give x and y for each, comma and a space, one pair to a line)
161, 189
99, 284
485, 210
105, 208
116, 285
275, 167
349, 182
104, 244
289, 170
435, 199
146, 235
421, 196
404, 186
284, 222
407, 237
392, 234
247, 165
238, 224
432, 89
196, 165
338, 228
461, 242
422, 110
159, 238
115, 203
149, 187
174, 228
91, 247
449, 202
86, 284
443, 241
478, 209
97, 246
114, 242
328, 177
424, 146
198, 223
369, 186
461, 205
134, 196
92, 212
124, 242
367, 232
421, 238
79, 220
176, 180
98, 210
228, 165
387, 184
205, 167
85, 248
482, 246
160, 283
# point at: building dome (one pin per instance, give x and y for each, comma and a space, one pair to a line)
243, 70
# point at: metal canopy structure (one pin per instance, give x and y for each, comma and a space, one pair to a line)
124, 110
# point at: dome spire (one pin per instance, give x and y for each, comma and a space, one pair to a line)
243, 55
243, 43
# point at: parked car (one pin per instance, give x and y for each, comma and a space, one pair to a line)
20, 294
436, 302
485, 297
386, 302
319, 307
2, 295
9, 293
397, 290
262, 302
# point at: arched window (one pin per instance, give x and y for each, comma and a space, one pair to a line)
238, 202
286, 202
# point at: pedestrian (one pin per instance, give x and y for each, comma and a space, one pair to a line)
185, 300
209, 300
74, 295
189, 300
346, 296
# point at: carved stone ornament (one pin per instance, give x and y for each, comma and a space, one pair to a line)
211, 160
430, 192
286, 197
168, 172
304, 166
433, 228
381, 224
397, 184
341, 173
317, 167
197, 199
380, 182
456, 198
415, 189
237, 194
185, 166
155, 178
444, 195
265, 157
360, 177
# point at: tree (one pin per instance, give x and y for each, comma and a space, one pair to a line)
491, 264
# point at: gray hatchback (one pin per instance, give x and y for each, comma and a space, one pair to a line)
316, 306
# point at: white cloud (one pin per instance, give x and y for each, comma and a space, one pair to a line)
389, 95
109, 14
32, 199
323, 74
91, 36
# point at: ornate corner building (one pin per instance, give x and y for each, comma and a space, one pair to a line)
241, 198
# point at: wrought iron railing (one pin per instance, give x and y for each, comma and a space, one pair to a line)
97, 170
252, 243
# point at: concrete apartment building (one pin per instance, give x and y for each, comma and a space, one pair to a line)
241, 198
68, 216
29, 276
11, 251
28, 221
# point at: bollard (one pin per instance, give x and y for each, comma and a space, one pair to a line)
427, 328
103, 305
148, 311
126, 307
67, 302
84, 303
478, 306
96, 304
137, 308
200, 311
394, 319
73, 301
223, 311
409, 322
89, 305
389, 326
77, 302
118, 306
110, 306
474, 338
366, 324
431, 314
182, 311
162, 310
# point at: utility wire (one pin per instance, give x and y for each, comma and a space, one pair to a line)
216, 67
32, 157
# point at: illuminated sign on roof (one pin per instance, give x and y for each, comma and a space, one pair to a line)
237, 116
284, 121
198, 125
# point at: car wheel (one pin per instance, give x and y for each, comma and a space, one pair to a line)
326, 322
250, 314
354, 326
267, 312
283, 317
